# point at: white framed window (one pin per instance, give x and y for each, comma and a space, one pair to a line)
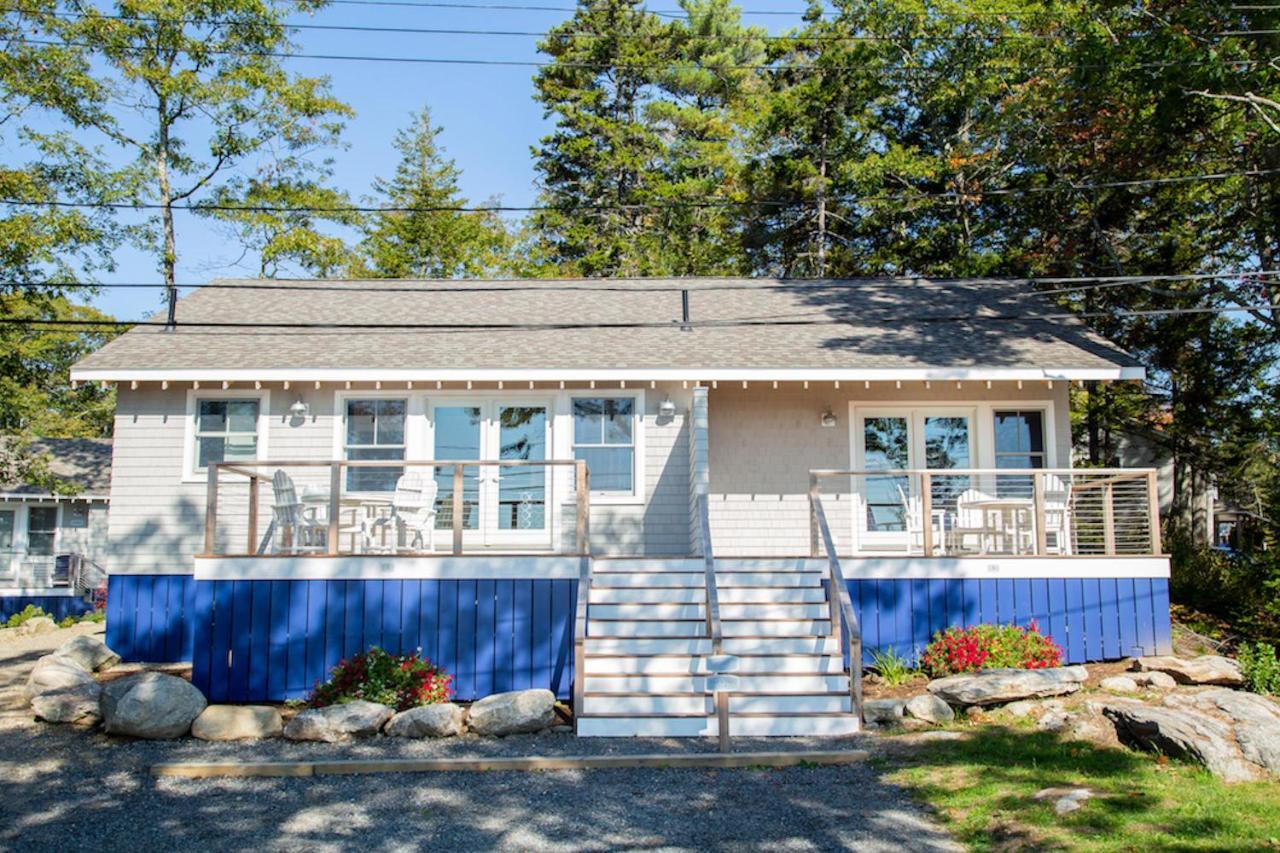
224, 426
606, 430
374, 428
42, 531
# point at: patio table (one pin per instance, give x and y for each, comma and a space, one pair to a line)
1011, 512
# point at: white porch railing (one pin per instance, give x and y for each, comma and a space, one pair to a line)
346, 507
1059, 512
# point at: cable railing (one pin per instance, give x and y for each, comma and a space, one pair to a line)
1021, 512
844, 619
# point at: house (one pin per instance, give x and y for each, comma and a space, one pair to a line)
611, 488
53, 540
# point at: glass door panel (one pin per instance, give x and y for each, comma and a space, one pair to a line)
947, 445
885, 445
458, 436
521, 490
8, 541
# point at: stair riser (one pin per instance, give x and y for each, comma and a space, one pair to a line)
698, 684
739, 726
724, 580
694, 665
654, 610
782, 628
771, 564
637, 628
706, 705
702, 646
772, 595
624, 595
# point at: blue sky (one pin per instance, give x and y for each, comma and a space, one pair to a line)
489, 117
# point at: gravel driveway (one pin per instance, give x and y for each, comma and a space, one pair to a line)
65, 789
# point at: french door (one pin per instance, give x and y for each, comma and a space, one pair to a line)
887, 508
502, 505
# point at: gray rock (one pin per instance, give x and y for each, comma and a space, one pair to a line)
150, 705
1154, 678
930, 708
339, 722
237, 722
89, 652
443, 720
1119, 684
1181, 733
1206, 669
883, 712
1256, 720
37, 625
1065, 800
1055, 721
517, 712
998, 686
1023, 708
53, 673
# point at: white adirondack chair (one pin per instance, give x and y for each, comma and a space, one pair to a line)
298, 527
1057, 514
971, 531
413, 510
915, 524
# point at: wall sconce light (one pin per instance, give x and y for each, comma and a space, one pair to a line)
299, 409
828, 418
667, 409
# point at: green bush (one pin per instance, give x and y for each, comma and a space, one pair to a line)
28, 612
977, 647
91, 616
1260, 667
892, 667
401, 681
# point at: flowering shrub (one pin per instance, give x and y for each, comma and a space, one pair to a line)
989, 647
401, 681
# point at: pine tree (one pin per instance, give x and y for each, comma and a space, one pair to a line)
426, 235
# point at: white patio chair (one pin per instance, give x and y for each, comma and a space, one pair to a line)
299, 527
971, 530
1057, 514
915, 524
413, 510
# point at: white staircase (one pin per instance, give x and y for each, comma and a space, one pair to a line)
645, 668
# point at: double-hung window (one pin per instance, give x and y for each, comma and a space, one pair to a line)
42, 530
375, 430
604, 436
226, 431
1019, 444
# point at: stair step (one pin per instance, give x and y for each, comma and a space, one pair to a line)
604, 565
693, 665
647, 628
769, 725
628, 595
773, 595
662, 610
726, 579
613, 580
685, 683
775, 627
702, 646
696, 703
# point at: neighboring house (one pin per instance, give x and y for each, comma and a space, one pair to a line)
53, 542
403, 464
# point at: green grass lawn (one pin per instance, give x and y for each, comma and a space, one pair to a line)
982, 788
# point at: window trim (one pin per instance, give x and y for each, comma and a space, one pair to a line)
13, 560
983, 424
1045, 454
638, 486
414, 415
193, 474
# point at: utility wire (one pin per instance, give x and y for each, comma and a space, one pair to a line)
643, 206
635, 324
1074, 284
671, 67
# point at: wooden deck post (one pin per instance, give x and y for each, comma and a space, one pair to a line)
1108, 519
1038, 520
211, 509
1153, 507
458, 472
582, 491
926, 512
335, 493
815, 538
253, 516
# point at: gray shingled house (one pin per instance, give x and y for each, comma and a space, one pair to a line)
592, 486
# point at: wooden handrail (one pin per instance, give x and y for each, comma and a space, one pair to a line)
844, 619
1121, 473
714, 629
580, 638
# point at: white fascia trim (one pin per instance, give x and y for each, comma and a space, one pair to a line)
22, 497
40, 591
899, 374
386, 567
1001, 568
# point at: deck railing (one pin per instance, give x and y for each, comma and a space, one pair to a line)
844, 620
344, 507
1057, 512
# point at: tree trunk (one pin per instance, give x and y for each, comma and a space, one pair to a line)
170, 258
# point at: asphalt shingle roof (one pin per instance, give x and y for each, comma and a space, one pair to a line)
83, 462
554, 324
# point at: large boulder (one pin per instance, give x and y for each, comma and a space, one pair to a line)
883, 712
998, 686
89, 652
1256, 721
442, 720
150, 705
339, 722
1206, 669
37, 625
237, 722
54, 673
929, 708
1181, 733
1119, 684
513, 713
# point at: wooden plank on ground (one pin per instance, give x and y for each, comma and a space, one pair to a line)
205, 769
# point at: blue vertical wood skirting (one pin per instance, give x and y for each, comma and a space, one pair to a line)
1091, 619
273, 640
151, 618
57, 606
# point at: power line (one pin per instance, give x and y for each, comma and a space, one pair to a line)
713, 203
703, 283
634, 324
651, 66
728, 37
